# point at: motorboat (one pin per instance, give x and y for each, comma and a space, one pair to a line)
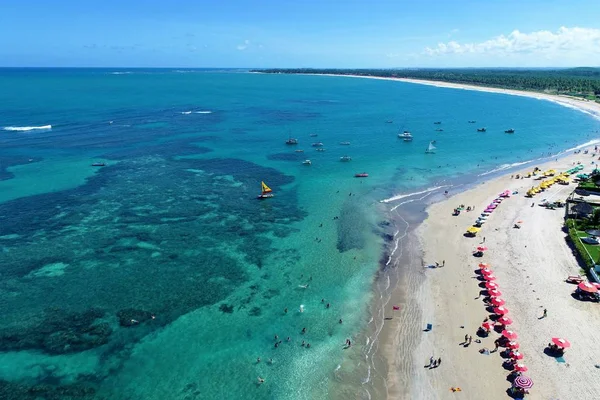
509, 131
437, 122
481, 129
291, 141
266, 192
406, 136
472, 122
361, 175
306, 162
299, 151
345, 158
318, 144
313, 135
96, 164
345, 143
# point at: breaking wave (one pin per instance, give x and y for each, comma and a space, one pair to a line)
27, 128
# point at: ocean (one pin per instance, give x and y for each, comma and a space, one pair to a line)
161, 276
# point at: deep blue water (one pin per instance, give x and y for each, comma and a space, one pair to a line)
160, 276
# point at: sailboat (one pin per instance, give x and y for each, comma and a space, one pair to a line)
430, 149
266, 192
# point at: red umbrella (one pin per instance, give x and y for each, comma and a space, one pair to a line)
513, 345
491, 285
481, 248
587, 287
487, 271
494, 293
489, 277
497, 301
564, 343
487, 326
484, 265
515, 355
596, 284
501, 310
523, 382
510, 335
504, 321
520, 368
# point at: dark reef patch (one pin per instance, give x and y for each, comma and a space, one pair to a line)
351, 226
10, 161
295, 157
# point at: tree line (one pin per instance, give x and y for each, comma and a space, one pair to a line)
573, 81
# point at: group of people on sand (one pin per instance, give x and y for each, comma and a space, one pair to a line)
433, 363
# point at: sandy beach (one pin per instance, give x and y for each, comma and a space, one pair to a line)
531, 265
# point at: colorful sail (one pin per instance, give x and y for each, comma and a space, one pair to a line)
265, 188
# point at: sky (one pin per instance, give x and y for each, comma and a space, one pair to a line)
299, 33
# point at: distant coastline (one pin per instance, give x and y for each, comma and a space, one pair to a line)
587, 106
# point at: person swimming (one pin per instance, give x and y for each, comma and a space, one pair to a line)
261, 380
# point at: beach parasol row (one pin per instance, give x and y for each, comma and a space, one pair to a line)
562, 178
482, 219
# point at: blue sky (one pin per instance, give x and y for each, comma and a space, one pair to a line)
300, 33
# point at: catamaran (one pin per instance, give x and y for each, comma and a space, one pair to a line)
266, 192
406, 136
430, 149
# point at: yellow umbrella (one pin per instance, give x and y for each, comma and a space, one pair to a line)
473, 229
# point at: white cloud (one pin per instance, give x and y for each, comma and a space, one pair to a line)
565, 42
243, 46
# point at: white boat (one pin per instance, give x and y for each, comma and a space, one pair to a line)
345, 143
430, 149
306, 162
406, 136
345, 158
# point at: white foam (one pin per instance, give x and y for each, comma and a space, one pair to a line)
121, 73
581, 146
202, 112
27, 128
402, 196
507, 166
186, 112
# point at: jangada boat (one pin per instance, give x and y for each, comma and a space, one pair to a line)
431, 148
361, 175
266, 192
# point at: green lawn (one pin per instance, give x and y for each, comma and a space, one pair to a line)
594, 250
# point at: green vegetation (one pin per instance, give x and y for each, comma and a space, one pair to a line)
580, 82
592, 184
587, 253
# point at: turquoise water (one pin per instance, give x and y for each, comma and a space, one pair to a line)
160, 276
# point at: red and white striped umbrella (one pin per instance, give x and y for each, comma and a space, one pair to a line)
513, 345
523, 382
481, 248
520, 368
489, 277
564, 343
487, 326
504, 320
515, 355
487, 271
491, 285
497, 301
494, 293
587, 287
510, 335
484, 265
501, 310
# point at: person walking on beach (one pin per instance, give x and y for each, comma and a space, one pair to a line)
443, 263
431, 360
466, 338
545, 314
439, 362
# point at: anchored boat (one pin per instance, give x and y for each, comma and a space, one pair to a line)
509, 131
266, 192
361, 175
406, 136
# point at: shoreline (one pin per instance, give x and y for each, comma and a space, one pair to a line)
437, 227
586, 106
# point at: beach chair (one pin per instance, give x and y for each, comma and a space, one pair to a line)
429, 327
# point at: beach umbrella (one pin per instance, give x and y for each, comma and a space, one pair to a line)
487, 326
487, 271
497, 301
489, 277
563, 343
481, 248
510, 335
513, 345
587, 287
491, 285
483, 217
504, 321
515, 355
520, 368
523, 382
501, 310
494, 293
484, 265
596, 284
